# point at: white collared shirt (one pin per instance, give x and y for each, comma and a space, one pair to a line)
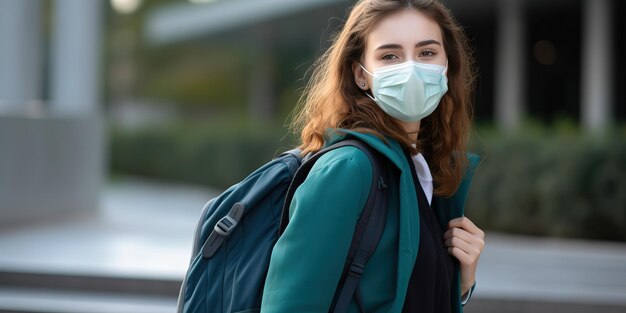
423, 175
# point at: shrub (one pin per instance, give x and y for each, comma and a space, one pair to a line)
551, 183
213, 154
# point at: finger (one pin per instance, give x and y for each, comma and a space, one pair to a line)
467, 224
455, 231
463, 245
463, 222
462, 256
462, 234
458, 232
459, 254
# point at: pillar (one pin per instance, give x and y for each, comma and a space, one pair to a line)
596, 76
21, 53
510, 75
76, 56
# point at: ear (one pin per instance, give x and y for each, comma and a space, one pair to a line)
359, 76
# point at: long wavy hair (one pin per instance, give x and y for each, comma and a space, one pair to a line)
331, 98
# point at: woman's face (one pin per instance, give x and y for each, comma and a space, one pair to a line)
406, 35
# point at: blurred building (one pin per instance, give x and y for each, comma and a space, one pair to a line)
542, 60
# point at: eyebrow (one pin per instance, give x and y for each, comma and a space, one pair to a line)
417, 45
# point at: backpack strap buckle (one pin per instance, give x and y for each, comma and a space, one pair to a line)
356, 270
222, 229
225, 225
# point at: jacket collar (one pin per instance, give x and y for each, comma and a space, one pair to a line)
391, 148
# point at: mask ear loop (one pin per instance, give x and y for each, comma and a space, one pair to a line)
366, 71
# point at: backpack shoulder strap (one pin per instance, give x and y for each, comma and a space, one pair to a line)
367, 235
369, 228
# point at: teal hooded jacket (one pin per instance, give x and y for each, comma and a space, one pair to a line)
308, 259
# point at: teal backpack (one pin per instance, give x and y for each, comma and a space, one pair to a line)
238, 229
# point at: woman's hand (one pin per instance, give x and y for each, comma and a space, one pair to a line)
465, 241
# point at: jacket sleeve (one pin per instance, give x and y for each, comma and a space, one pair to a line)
468, 295
308, 259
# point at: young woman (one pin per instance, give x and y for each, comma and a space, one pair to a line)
398, 77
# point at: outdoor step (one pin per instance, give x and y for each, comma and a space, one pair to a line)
30, 300
38, 292
90, 283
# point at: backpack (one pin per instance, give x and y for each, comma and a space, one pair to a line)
237, 231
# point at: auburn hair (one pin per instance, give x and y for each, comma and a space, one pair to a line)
331, 98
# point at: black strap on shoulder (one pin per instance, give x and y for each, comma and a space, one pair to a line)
369, 228
366, 237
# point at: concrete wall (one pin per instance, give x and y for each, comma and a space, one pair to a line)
50, 168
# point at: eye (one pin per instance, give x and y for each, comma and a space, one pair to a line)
427, 53
389, 57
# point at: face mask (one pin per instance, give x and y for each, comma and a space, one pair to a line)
409, 91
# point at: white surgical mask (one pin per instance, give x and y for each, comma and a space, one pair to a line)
409, 91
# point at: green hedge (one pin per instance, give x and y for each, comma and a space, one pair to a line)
542, 182
212, 154
537, 182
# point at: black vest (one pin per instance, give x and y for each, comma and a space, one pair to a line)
430, 286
